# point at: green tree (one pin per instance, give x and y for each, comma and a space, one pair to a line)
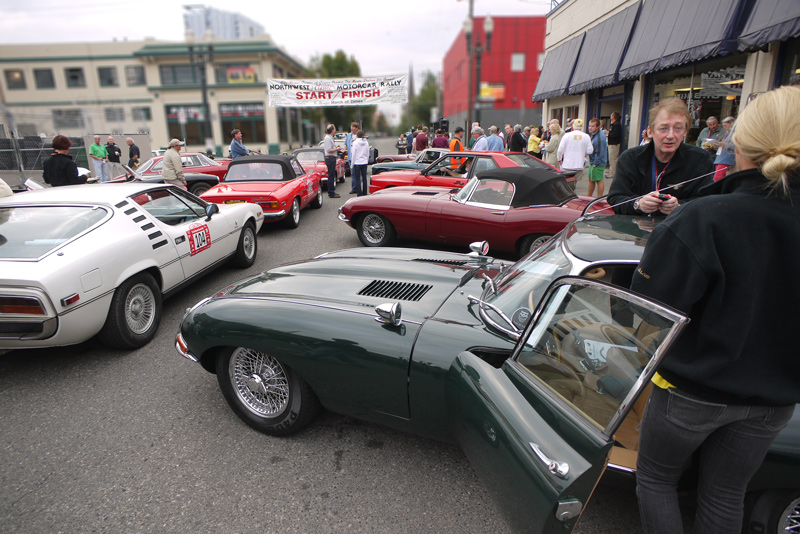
338, 65
422, 103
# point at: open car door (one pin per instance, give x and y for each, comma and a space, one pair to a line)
539, 429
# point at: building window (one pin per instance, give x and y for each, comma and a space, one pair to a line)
44, 78
234, 73
15, 79
115, 114
192, 129
247, 117
141, 114
178, 74
75, 77
791, 66
64, 119
518, 62
107, 76
134, 75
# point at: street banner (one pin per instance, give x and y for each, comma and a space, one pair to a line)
338, 92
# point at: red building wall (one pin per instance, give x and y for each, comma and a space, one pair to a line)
511, 35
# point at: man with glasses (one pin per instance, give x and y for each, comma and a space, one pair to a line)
656, 177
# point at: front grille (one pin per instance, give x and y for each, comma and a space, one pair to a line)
395, 290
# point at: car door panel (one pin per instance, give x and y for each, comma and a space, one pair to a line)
539, 429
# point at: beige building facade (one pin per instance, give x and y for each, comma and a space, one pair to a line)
625, 55
151, 87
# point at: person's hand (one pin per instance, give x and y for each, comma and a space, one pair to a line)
668, 205
650, 203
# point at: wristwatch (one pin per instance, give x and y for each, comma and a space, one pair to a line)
636, 204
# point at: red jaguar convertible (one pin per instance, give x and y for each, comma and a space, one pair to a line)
278, 184
515, 209
456, 168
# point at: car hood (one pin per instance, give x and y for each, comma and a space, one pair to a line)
360, 279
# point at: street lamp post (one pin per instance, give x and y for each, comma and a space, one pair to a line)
199, 55
477, 50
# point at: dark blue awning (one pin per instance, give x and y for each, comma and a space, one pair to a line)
672, 33
769, 21
602, 51
557, 69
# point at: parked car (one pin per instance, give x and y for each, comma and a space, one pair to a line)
455, 169
422, 160
278, 184
192, 162
313, 159
395, 157
196, 183
515, 209
80, 261
540, 379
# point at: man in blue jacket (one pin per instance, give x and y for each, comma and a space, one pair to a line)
598, 159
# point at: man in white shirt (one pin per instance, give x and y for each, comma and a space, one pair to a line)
359, 151
573, 149
331, 151
481, 144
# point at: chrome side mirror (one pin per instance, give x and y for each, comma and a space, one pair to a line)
388, 314
479, 248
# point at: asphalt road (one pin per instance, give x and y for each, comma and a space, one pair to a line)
97, 440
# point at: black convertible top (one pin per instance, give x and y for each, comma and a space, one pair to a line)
283, 160
534, 187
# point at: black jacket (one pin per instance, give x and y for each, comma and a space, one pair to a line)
517, 143
731, 261
634, 175
59, 169
614, 133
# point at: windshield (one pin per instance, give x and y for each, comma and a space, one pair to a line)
310, 157
525, 282
29, 232
255, 172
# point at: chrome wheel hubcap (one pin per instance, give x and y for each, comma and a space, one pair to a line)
374, 229
140, 309
791, 518
249, 243
260, 382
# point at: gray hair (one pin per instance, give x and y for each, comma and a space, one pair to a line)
477, 130
517, 127
712, 118
728, 119
493, 129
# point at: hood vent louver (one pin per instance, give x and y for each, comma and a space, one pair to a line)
386, 289
425, 193
446, 262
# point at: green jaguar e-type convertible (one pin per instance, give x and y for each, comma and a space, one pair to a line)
538, 370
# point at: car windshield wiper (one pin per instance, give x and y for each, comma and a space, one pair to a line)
491, 283
482, 305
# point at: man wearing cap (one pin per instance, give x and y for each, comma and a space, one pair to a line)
573, 149
172, 168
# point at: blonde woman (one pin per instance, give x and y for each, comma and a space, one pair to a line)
552, 147
729, 384
533, 142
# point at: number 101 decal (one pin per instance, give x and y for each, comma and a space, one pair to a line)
199, 238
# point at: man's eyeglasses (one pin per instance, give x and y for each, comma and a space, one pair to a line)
678, 129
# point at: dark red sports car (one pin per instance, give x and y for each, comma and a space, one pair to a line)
278, 184
515, 209
192, 162
455, 169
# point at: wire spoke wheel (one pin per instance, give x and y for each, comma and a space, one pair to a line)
374, 228
259, 381
140, 308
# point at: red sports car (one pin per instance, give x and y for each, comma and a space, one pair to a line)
455, 169
515, 209
192, 162
313, 159
395, 157
278, 184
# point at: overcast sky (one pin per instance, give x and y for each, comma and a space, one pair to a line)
385, 37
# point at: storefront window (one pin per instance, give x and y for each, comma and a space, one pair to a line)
186, 122
717, 90
247, 117
791, 65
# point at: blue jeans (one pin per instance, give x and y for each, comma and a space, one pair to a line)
360, 179
330, 162
100, 170
732, 441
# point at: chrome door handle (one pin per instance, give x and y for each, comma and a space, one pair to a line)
498, 213
559, 469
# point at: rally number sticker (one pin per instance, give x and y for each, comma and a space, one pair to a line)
199, 238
